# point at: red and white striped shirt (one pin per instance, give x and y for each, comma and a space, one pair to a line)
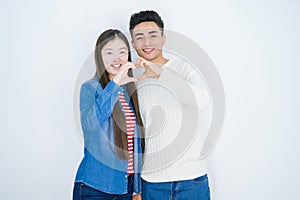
130, 126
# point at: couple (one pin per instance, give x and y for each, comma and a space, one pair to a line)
115, 118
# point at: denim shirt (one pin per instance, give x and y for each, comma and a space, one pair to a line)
100, 167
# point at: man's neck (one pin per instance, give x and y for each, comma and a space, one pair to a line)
160, 61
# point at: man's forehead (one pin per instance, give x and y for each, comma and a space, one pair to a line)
146, 30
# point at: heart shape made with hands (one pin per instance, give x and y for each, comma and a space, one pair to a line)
151, 71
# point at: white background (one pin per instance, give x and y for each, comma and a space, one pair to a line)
254, 45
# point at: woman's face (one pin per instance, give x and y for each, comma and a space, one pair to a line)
115, 56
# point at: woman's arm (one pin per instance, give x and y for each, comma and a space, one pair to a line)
97, 103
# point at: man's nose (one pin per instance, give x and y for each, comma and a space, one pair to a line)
147, 41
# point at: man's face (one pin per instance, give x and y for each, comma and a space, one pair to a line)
148, 41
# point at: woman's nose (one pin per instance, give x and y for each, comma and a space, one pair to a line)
117, 58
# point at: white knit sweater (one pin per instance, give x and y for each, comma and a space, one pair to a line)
176, 111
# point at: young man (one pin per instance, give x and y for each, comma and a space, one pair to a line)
172, 99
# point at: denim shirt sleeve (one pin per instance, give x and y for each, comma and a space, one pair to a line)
92, 98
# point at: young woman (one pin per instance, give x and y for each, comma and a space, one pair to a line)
111, 124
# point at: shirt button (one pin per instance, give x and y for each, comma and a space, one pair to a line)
125, 176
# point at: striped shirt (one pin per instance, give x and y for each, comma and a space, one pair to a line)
130, 125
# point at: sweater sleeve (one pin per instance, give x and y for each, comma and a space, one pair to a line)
187, 86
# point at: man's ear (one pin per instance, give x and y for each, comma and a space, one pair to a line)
164, 39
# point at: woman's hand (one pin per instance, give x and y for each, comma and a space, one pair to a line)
122, 78
137, 197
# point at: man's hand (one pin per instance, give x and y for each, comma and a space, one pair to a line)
151, 70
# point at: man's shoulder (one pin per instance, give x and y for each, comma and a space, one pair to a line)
178, 65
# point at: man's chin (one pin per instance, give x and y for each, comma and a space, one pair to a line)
147, 57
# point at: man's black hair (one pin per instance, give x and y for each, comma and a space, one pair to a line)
146, 16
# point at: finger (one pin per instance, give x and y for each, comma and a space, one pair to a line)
141, 62
143, 76
129, 80
138, 63
124, 69
130, 64
132, 79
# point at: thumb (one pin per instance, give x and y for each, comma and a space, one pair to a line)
143, 76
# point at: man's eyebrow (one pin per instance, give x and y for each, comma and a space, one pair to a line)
138, 34
141, 34
152, 32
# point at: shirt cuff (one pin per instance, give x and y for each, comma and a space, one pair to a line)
113, 88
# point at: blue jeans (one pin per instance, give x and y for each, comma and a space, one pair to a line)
195, 189
84, 192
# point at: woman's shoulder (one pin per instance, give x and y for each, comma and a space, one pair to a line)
93, 82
